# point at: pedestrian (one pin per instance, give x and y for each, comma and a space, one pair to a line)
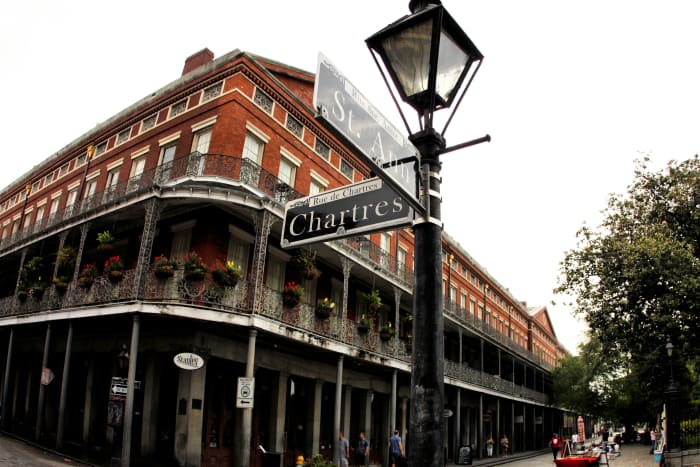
395, 449
343, 450
653, 441
362, 451
554, 443
489, 445
574, 441
504, 444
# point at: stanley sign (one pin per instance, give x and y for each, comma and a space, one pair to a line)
352, 210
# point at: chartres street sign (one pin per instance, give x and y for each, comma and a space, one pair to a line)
360, 208
353, 118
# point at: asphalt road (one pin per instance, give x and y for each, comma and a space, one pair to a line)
15, 453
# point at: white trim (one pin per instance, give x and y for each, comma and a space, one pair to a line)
318, 178
73, 185
140, 152
42, 202
289, 156
169, 138
56, 195
257, 132
204, 123
95, 174
115, 164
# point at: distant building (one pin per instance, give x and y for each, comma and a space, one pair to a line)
112, 353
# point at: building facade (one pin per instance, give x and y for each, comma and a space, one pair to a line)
142, 278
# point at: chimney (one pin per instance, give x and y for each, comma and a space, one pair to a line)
198, 59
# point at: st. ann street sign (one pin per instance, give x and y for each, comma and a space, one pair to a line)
348, 114
360, 208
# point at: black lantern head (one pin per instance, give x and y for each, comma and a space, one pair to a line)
427, 55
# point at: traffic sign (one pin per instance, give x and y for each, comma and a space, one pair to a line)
245, 394
360, 208
354, 119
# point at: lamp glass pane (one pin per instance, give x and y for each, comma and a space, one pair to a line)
408, 54
451, 63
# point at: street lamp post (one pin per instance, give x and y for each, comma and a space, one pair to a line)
673, 423
428, 58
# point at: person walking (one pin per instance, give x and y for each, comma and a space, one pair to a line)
343, 450
362, 451
555, 444
395, 449
504, 444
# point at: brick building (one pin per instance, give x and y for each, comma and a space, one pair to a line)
142, 276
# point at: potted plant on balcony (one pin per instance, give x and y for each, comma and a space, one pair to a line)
324, 308
387, 332
364, 325
226, 275
114, 269
30, 279
60, 283
373, 300
291, 294
87, 275
305, 263
105, 241
163, 268
409, 343
194, 267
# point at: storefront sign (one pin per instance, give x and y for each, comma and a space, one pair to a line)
188, 361
245, 395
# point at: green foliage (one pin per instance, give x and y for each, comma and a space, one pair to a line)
636, 281
319, 461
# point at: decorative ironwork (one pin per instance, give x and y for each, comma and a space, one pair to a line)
153, 208
263, 222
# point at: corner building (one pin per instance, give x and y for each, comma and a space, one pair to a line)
202, 169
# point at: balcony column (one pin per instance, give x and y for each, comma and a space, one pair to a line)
498, 426
6, 380
392, 408
130, 391
84, 229
347, 410
23, 256
153, 208
61, 242
458, 423
89, 403
262, 221
64, 387
480, 430
397, 317
314, 419
347, 265
42, 387
247, 415
338, 405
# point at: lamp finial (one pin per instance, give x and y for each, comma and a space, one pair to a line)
416, 5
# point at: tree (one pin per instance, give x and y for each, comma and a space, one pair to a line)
636, 279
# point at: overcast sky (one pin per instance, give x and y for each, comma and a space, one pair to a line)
572, 92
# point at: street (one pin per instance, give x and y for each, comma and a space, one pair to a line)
18, 453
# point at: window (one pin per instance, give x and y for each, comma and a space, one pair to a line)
15, 227
36, 186
346, 169
100, 149
212, 91
111, 185
288, 171
200, 145
89, 198
27, 221
275, 273
463, 300
80, 160
453, 295
253, 148
70, 202
294, 126
137, 166
39, 215
263, 100
315, 187
239, 244
167, 155
322, 149
385, 244
182, 236
54, 207
123, 136
401, 267
63, 170
177, 109
148, 123
48, 179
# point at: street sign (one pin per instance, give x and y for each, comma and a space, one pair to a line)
360, 208
118, 388
349, 115
245, 394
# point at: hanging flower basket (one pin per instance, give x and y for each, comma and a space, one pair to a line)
324, 308
195, 268
87, 276
305, 262
163, 268
373, 300
364, 325
37, 291
226, 275
22, 295
387, 332
115, 276
60, 284
105, 241
85, 282
291, 294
